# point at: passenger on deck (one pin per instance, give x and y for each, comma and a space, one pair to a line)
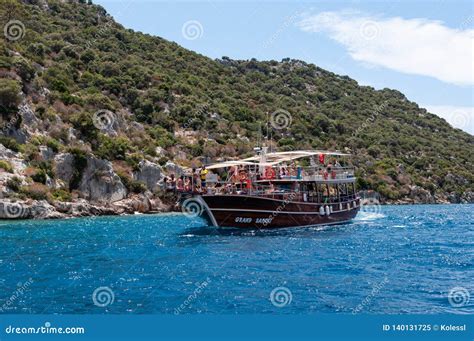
194, 179
180, 183
299, 172
235, 175
187, 185
331, 171
269, 173
171, 183
203, 175
292, 170
271, 189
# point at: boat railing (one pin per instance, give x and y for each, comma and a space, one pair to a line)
320, 174
310, 173
271, 192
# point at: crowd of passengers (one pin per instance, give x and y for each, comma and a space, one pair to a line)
240, 179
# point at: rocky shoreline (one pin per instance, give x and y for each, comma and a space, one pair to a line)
42, 209
100, 188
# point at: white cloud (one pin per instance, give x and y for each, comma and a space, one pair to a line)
414, 46
458, 117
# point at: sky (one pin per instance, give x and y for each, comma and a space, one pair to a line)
425, 49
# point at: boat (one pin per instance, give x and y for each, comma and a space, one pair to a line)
274, 190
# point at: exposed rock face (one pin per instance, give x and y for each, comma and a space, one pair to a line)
467, 198
100, 183
46, 153
150, 174
12, 128
42, 3
15, 159
29, 124
142, 203
63, 167
421, 195
136, 203
82, 208
456, 179
18, 165
28, 116
6, 153
172, 168
160, 151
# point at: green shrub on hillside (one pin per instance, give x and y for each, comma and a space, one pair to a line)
112, 148
6, 166
9, 95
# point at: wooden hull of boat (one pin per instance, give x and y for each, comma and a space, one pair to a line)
256, 212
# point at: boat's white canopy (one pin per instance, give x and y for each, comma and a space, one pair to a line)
237, 163
272, 159
279, 157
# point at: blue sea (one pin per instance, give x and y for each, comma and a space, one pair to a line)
395, 260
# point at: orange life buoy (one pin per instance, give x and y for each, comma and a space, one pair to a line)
270, 173
248, 183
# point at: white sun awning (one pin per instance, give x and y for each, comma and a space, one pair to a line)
293, 155
234, 163
275, 158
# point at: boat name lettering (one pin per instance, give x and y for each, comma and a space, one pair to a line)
243, 220
264, 220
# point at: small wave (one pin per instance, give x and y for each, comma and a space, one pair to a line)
364, 216
187, 235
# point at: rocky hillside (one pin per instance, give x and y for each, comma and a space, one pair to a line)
92, 112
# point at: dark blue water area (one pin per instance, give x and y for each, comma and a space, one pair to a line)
397, 260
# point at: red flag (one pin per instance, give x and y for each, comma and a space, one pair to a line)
321, 158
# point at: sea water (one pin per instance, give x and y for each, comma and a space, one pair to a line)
395, 259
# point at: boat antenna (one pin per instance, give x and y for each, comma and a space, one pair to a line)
259, 136
266, 125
